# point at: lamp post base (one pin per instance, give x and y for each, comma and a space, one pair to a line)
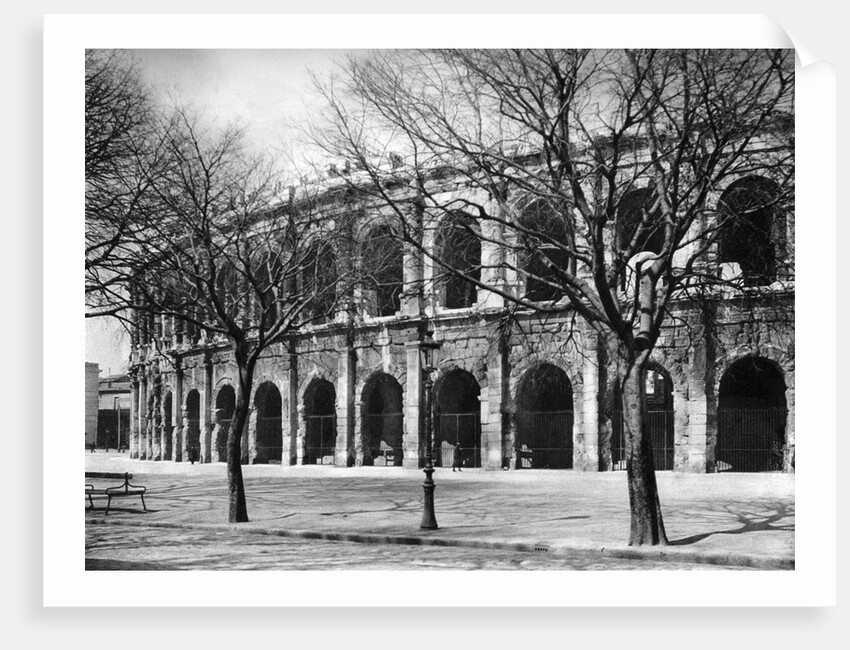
429, 520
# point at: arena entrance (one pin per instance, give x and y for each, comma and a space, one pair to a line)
751, 418
544, 420
457, 421
659, 417
382, 421
320, 421
269, 431
225, 405
193, 424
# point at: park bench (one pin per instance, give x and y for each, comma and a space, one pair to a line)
124, 490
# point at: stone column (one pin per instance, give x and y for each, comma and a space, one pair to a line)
157, 427
345, 416
133, 440
411, 296
413, 439
207, 415
143, 418
492, 259
586, 451
178, 444
184, 449
250, 448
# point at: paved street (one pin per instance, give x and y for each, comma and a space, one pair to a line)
491, 520
120, 547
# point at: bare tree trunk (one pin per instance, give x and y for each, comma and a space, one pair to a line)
647, 526
238, 511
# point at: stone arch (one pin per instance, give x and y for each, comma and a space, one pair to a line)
320, 422
544, 418
661, 419
382, 418
543, 243
269, 417
457, 419
752, 416
458, 245
639, 219
382, 263
753, 228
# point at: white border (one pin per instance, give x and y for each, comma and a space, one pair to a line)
65, 581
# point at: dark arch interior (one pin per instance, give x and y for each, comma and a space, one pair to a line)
225, 405
751, 417
269, 430
383, 269
319, 279
320, 416
636, 216
460, 249
748, 210
193, 420
542, 255
544, 419
167, 426
660, 420
457, 420
382, 420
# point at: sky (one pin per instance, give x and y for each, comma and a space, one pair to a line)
265, 91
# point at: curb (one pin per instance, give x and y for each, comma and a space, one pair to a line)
658, 553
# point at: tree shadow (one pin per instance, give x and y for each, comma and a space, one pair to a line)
752, 518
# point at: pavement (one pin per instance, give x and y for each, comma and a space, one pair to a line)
734, 520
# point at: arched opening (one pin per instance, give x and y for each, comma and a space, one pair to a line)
383, 271
751, 417
457, 420
749, 212
225, 405
320, 423
193, 423
167, 426
544, 419
660, 419
318, 280
269, 430
459, 249
639, 220
382, 421
543, 250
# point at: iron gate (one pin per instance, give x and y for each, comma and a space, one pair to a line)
660, 428
459, 439
320, 440
544, 440
750, 440
385, 437
269, 431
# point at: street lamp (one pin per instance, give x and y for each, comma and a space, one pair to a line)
428, 353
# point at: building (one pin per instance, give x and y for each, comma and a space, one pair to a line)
113, 419
514, 389
91, 407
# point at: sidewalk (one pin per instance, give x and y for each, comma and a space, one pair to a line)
729, 519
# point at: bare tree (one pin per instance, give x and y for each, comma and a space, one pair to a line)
221, 254
596, 173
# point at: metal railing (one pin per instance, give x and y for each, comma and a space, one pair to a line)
320, 440
750, 440
544, 440
385, 432
269, 439
660, 425
457, 440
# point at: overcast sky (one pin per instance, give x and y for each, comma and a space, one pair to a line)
263, 90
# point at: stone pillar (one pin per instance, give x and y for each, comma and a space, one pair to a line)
696, 436
157, 426
413, 439
178, 444
586, 396
214, 434
133, 440
207, 415
251, 435
411, 295
184, 449
143, 418
492, 260
493, 403
345, 415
